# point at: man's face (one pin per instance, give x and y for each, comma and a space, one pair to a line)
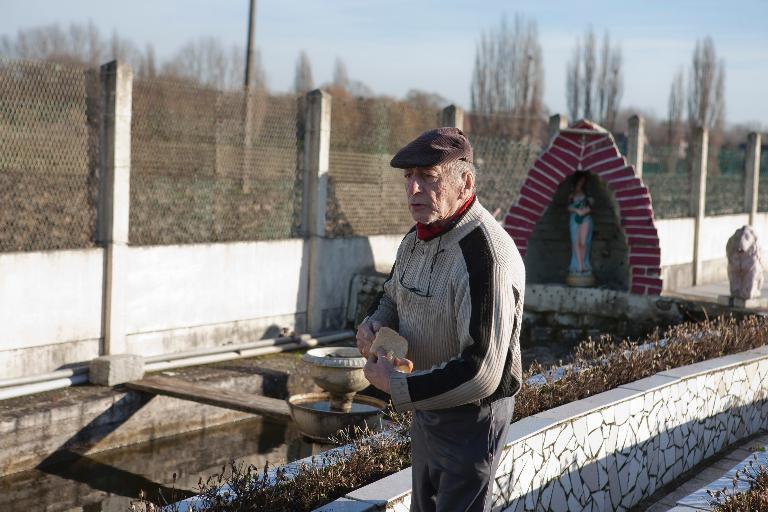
432, 194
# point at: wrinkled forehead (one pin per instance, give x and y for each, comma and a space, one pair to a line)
432, 169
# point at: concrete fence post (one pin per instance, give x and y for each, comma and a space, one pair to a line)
636, 144
317, 148
752, 171
452, 116
114, 197
557, 122
699, 196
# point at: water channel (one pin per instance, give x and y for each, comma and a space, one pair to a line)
109, 481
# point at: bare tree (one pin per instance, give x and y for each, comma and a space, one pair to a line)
78, 44
609, 86
588, 77
508, 76
302, 81
573, 84
426, 100
594, 86
706, 87
675, 110
206, 62
340, 76
614, 87
147, 65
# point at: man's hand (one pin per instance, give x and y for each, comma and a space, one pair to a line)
378, 369
366, 332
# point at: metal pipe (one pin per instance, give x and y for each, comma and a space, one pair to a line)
39, 387
11, 388
229, 348
156, 366
58, 374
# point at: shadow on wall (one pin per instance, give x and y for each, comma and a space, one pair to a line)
625, 477
549, 247
69, 461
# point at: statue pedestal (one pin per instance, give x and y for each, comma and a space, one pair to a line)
756, 303
580, 280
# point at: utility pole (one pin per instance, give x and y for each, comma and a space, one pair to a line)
249, 68
250, 86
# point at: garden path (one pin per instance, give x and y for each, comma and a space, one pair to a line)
665, 499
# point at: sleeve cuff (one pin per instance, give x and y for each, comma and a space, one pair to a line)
398, 390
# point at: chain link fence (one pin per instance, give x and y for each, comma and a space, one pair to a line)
505, 147
212, 166
667, 174
365, 195
502, 166
48, 153
726, 185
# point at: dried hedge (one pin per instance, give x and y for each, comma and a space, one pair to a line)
756, 498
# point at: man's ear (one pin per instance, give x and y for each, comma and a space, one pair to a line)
469, 183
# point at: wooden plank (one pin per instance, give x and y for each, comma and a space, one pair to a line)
177, 388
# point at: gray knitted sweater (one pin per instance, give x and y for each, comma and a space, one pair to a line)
458, 300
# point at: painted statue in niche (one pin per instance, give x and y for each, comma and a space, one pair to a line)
580, 225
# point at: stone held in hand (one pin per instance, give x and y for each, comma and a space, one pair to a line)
394, 345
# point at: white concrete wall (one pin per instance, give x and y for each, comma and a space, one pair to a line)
342, 258
50, 309
186, 296
675, 240
715, 233
761, 226
181, 297
178, 297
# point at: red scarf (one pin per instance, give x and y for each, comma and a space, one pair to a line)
430, 231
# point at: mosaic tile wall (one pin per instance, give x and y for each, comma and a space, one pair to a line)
643, 436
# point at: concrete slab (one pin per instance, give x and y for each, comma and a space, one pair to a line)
712, 291
384, 490
116, 369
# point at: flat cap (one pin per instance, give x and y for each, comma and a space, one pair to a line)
433, 147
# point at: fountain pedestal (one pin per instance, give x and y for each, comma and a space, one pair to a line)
339, 372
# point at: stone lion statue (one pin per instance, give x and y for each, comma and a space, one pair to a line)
745, 264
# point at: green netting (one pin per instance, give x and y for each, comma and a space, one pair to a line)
726, 181
762, 204
666, 173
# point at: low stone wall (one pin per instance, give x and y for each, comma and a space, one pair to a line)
610, 451
59, 425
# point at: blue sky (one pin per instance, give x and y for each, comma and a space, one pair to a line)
397, 45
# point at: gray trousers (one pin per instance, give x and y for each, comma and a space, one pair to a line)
454, 456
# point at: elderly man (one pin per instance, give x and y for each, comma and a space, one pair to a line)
456, 294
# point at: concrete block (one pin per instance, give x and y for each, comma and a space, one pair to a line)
116, 369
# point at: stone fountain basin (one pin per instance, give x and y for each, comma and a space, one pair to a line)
337, 369
312, 414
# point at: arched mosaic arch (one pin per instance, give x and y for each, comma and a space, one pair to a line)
586, 146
